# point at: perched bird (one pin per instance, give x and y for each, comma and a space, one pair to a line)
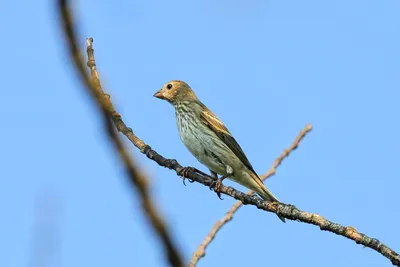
209, 140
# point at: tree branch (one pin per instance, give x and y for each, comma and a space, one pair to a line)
106, 110
287, 152
288, 211
201, 249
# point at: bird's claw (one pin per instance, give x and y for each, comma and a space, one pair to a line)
216, 186
212, 185
185, 174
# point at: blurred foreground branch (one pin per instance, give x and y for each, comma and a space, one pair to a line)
138, 180
107, 112
201, 249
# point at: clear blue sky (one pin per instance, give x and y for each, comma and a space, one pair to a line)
266, 68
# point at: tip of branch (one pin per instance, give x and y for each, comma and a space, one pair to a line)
89, 41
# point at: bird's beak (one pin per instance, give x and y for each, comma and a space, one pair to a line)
159, 95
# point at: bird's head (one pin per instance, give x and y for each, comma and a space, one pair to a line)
176, 91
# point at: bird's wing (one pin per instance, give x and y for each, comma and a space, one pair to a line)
212, 122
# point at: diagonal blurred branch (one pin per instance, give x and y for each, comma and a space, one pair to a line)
288, 211
137, 179
201, 249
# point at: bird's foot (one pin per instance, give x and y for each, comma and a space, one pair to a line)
185, 174
214, 175
216, 186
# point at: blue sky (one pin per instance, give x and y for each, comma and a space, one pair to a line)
266, 68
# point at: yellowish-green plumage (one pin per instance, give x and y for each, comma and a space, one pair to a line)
209, 140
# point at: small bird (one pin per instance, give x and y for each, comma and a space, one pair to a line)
209, 140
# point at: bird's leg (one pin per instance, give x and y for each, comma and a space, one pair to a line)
214, 175
185, 173
218, 183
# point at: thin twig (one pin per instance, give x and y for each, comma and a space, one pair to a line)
287, 152
201, 249
288, 211
137, 179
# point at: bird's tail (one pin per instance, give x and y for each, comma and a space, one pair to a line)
265, 194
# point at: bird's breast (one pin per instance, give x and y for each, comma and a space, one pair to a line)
190, 134
204, 144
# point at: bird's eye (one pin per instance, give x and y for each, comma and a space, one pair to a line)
169, 86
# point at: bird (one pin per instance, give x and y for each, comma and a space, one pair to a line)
209, 141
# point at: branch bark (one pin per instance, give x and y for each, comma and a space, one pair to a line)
103, 102
107, 112
288, 211
201, 249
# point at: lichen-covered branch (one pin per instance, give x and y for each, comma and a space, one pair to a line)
288, 211
136, 178
201, 249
